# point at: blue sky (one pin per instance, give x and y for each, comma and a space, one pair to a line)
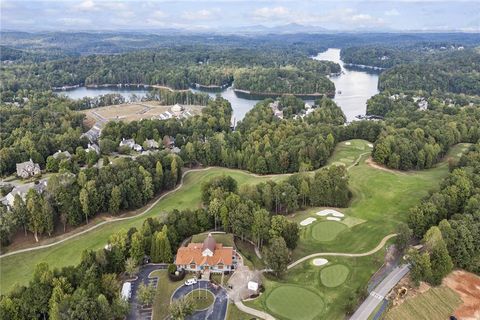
229, 14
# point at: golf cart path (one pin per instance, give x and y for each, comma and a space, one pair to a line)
266, 316
110, 220
339, 254
180, 185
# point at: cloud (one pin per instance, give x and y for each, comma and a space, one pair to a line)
87, 5
392, 13
269, 13
203, 14
158, 14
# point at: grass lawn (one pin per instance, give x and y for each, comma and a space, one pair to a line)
224, 238
436, 303
334, 275
202, 299
294, 302
19, 267
165, 289
247, 251
329, 301
233, 313
382, 199
327, 230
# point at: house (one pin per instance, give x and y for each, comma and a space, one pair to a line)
93, 147
176, 150
62, 154
423, 105
177, 110
93, 134
28, 169
22, 191
131, 144
207, 256
152, 144
275, 108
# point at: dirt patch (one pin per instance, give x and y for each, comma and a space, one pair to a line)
375, 165
405, 290
467, 285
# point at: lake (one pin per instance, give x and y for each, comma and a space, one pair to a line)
356, 87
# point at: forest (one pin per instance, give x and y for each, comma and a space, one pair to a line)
448, 222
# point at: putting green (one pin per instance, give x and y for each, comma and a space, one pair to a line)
292, 302
327, 230
335, 275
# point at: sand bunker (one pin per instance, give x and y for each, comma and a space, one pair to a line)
333, 219
319, 262
307, 221
332, 212
370, 145
348, 143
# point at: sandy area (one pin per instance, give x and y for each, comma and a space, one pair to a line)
307, 221
319, 262
370, 145
467, 285
133, 112
348, 143
375, 165
333, 219
332, 212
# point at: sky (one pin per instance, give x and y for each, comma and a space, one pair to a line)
225, 15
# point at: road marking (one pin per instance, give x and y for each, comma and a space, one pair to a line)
376, 295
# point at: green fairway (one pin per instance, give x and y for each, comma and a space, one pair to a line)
381, 199
327, 230
334, 275
292, 302
19, 267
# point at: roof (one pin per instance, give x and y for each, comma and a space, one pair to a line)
209, 243
193, 254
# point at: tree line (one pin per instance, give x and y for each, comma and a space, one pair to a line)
448, 222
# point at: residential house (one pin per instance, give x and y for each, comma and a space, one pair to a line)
93, 147
93, 134
207, 256
275, 108
131, 144
27, 169
22, 191
62, 154
152, 144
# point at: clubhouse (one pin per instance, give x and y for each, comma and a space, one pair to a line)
208, 256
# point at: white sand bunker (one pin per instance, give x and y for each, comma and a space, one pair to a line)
319, 262
332, 212
307, 221
348, 143
370, 145
333, 219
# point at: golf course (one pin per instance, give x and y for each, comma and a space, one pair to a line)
380, 200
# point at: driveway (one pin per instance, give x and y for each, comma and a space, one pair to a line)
217, 311
378, 294
136, 313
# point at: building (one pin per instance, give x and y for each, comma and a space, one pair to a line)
151, 144
62, 154
423, 105
177, 110
22, 191
93, 147
93, 134
28, 169
131, 144
275, 106
208, 256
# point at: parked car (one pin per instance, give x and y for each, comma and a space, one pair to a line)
190, 282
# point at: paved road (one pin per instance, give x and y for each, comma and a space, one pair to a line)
218, 311
254, 312
377, 295
135, 312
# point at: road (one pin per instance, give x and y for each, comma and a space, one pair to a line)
143, 276
377, 295
216, 312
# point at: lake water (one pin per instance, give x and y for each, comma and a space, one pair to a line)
356, 88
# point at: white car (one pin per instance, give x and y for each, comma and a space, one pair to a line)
190, 282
